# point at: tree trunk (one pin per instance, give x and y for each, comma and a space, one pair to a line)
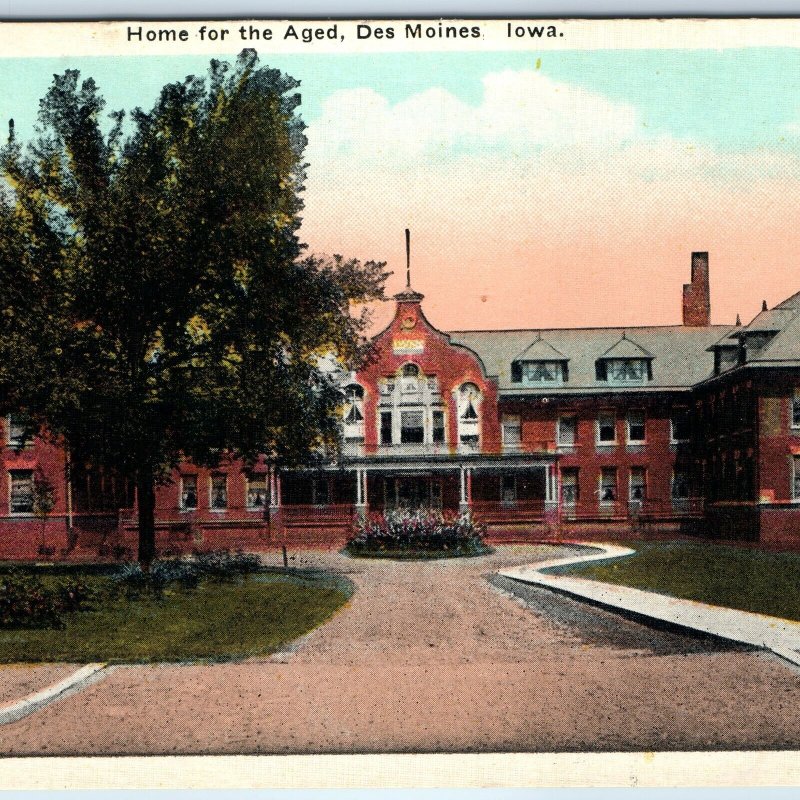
146, 500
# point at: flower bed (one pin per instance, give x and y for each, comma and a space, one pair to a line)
417, 534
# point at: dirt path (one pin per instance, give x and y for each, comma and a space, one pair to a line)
434, 657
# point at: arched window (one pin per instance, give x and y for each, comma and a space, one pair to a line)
353, 412
354, 409
409, 380
469, 400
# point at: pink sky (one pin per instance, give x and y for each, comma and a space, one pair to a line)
587, 220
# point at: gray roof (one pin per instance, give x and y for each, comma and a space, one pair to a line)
784, 348
680, 356
765, 321
626, 348
541, 350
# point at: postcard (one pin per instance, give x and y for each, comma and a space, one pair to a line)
400, 402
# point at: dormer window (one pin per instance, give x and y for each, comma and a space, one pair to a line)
626, 370
725, 357
540, 373
540, 364
626, 363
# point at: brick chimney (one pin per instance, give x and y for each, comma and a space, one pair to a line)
697, 295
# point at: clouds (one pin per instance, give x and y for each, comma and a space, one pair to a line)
554, 182
521, 112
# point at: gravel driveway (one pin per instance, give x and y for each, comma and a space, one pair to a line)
439, 656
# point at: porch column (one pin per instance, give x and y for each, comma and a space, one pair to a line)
273, 489
469, 486
551, 498
463, 504
361, 493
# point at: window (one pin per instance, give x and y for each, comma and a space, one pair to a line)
437, 421
354, 406
796, 409
386, 427
795, 477
606, 428
512, 430
412, 427
567, 430
679, 425
21, 500
608, 485
680, 485
256, 491
626, 370
409, 382
219, 492
468, 419
17, 426
189, 492
638, 484
569, 486
541, 372
508, 488
636, 426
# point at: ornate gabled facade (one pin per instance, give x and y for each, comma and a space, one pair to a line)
693, 429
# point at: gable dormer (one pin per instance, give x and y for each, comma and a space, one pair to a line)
625, 363
540, 364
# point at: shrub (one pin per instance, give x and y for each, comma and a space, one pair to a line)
423, 532
224, 565
216, 565
25, 602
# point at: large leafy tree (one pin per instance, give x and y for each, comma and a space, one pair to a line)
155, 301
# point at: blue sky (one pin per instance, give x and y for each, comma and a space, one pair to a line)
522, 173
731, 99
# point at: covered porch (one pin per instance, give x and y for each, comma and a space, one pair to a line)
513, 489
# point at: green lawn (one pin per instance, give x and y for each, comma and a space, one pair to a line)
217, 621
752, 580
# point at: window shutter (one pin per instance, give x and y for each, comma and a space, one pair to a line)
516, 372
600, 369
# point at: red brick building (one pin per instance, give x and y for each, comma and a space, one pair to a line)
690, 428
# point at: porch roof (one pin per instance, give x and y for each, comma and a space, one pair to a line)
444, 462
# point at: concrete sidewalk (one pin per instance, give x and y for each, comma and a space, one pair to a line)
781, 636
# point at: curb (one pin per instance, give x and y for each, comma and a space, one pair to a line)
79, 679
780, 636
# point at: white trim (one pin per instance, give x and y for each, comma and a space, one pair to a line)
631, 498
21, 445
605, 442
573, 443
794, 399
181, 505
211, 488
247, 481
672, 439
12, 513
628, 439
600, 486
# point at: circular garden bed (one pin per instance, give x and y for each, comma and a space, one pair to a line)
404, 534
